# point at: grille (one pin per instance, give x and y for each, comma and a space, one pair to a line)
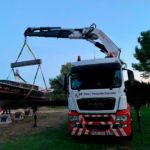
96, 104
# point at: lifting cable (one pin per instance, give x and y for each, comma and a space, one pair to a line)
12, 70
39, 66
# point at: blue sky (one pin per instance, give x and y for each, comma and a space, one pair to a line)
121, 20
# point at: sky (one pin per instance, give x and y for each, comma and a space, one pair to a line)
121, 20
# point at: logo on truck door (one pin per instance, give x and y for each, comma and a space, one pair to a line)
77, 95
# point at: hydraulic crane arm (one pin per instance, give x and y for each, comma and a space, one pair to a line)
91, 34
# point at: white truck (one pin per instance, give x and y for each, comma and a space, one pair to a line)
97, 100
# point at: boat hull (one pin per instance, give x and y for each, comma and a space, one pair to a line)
13, 95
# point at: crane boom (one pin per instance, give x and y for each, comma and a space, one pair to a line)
91, 34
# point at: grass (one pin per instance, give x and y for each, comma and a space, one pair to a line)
58, 139
141, 141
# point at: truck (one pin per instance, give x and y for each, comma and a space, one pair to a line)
96, 89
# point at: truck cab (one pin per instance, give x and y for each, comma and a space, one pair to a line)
97, 100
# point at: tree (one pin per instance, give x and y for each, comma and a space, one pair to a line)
142, 54
65, 69
57, 83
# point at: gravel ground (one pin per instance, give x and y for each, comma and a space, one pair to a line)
46, 117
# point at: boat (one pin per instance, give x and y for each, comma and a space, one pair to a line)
18, 94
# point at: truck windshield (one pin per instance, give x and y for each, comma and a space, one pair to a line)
96, 76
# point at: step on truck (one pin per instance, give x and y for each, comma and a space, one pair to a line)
97, 100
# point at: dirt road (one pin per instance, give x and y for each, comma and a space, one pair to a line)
47, 117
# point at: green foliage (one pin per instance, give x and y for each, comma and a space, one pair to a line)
57, 83
142, 54
65, 69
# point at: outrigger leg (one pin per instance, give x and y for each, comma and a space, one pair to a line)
34, 108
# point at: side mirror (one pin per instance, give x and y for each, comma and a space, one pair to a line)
131, 78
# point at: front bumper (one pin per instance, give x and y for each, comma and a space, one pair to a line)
100, 124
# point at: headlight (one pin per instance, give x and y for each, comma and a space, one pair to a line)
121, 118
73, 118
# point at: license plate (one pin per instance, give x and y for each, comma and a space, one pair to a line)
97, 133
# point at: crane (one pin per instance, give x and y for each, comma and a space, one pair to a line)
96, 87
91, 34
